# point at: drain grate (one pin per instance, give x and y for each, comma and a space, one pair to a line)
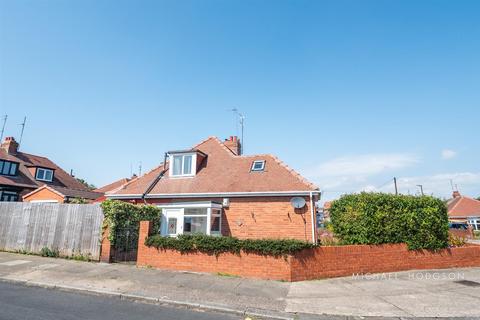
468, 283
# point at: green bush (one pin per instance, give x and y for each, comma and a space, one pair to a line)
47, 252
216, 245
119, 215
376, 218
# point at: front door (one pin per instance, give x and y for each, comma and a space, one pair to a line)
174, 222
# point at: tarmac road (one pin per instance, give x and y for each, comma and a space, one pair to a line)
24, 302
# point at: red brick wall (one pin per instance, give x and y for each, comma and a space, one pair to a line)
44, 194
260, 217
322, 262
106, 248
246, 265
327, 262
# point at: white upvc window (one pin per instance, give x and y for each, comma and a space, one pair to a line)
216, 221
191, 218
44, 174
258, 165
183, 165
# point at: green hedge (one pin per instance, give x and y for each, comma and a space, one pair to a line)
376, 218
120, 214
216, 245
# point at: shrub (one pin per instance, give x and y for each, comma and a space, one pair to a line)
456, 241
47, 252
119, 214
376, 218
216, 245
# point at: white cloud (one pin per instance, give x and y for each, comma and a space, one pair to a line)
363, 165
351, 172
448, 154
439, 184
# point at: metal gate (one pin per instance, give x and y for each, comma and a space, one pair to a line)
126, 244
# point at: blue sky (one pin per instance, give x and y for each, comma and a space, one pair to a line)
349, 93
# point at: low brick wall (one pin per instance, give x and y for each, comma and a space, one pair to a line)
322, 262
328, 262
245, 265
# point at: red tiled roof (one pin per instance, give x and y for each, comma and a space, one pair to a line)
463, 207
327, 205
112, 186
222, 171
24, 179
68, 193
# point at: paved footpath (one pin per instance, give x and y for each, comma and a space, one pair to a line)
440, 293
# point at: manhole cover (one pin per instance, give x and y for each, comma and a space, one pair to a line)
468, 283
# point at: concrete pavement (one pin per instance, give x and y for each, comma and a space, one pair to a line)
441, 293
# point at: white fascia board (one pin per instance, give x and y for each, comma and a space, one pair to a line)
199, 204
215, 194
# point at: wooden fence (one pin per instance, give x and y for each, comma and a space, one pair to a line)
72, 229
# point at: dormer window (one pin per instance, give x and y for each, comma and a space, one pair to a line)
8, 168
258, 165
183, 165
44, 174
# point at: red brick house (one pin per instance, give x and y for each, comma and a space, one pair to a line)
464, 208
213, 189
34, 178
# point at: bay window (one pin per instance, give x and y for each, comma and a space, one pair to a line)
195, 220
191, 218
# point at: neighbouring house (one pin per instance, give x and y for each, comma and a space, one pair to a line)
32, 178
323, 214
112, 187
464, 208
213, 189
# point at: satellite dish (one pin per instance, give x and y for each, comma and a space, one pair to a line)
297, 202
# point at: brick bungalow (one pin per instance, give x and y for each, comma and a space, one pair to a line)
464, 208
34, 178
213, 189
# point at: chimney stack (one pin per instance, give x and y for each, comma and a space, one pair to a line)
456, 194
234, 145
10, 145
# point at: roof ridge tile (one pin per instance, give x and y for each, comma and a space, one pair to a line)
295, 173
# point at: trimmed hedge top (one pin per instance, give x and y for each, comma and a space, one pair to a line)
376, 218
216, 245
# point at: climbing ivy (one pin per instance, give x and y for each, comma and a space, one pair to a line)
216, 245
120, 214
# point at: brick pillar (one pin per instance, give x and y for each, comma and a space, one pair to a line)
143, 233
106, 248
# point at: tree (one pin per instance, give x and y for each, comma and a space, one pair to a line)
86, 184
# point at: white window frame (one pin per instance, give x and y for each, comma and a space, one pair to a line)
44, 173
193, 168
178, 210
258, 170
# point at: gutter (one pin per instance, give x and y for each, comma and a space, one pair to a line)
214, 194
313, 218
